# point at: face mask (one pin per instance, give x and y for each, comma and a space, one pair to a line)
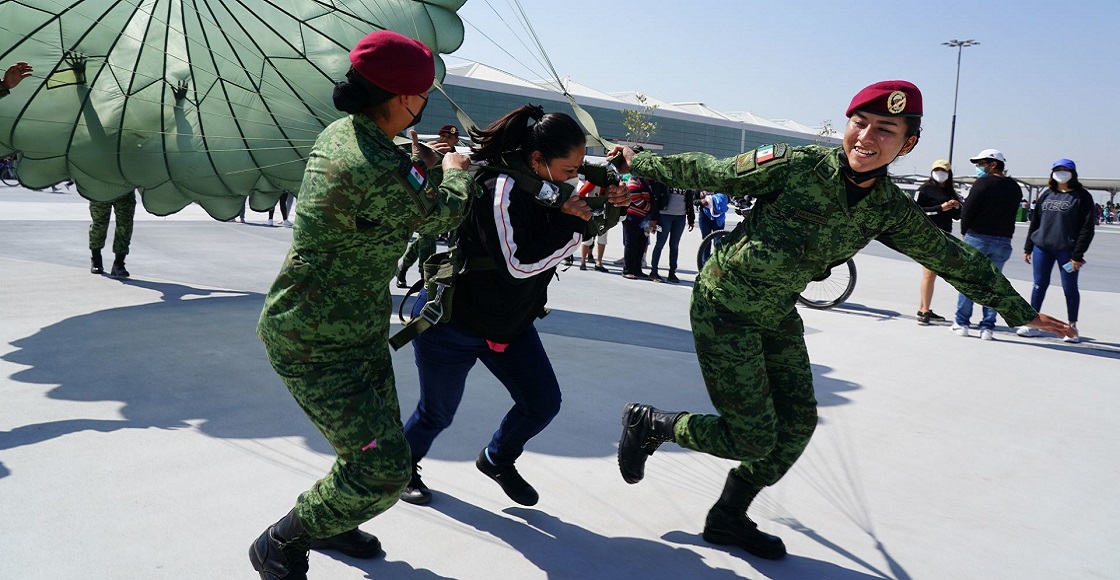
419, 114
1062, 176
981, 170
940, 176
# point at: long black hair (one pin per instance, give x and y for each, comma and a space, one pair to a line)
554, 135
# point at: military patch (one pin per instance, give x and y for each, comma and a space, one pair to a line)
767, 154
808, 216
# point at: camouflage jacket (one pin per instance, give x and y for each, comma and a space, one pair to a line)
802, 225
361, 199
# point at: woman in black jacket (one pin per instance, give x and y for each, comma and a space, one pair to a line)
1061, 229
524, 224
938, 198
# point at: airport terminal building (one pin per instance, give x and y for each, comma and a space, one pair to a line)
486, 94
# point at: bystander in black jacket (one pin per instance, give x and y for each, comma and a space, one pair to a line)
991, 205
931, 195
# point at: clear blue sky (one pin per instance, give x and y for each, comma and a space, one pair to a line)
1043, 84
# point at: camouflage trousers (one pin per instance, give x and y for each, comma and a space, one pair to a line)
125, 208
419, 249
761, 384
354, 404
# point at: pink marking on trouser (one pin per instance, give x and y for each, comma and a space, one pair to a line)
371, 445
497, 346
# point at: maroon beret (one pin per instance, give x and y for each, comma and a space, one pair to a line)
893, 98
394, 62
452, 129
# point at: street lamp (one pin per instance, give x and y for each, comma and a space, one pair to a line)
960, 45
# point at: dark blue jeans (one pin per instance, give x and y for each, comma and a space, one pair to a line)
447, 352
1043, 262
998, 250
672, 226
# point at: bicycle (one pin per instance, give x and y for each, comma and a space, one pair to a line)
830, 291
8, 171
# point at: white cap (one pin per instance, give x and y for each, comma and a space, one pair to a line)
988, 154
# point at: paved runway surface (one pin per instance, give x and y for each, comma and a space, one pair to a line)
143, 434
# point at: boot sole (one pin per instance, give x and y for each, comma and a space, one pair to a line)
627, 420
765, 552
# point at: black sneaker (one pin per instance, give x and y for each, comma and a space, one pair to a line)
416, 493
512, 483
673, 278
655, 277
934, 317
923, 318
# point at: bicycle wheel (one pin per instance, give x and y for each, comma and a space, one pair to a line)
706, 246
831, 291
8, 176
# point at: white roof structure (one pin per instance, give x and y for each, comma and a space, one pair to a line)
480, 76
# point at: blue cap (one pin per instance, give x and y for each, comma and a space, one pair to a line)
1067, 163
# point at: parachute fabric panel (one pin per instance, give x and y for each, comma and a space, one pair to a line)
204, 101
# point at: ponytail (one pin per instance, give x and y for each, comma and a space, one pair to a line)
552, 134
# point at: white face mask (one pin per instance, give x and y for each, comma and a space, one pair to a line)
940, 176
1062, 176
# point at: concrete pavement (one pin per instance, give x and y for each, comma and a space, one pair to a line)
143, 434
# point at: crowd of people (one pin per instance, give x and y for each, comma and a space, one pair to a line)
523, 211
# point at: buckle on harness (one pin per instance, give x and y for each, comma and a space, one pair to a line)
433, 309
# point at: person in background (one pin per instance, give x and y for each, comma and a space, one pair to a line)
421, 247
939, 200
598, 242
635, 227
124, 207
987, 223
324, 322
671, 211
284, 202
1060, 233
815, 207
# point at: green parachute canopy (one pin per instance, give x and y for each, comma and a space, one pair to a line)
205, 101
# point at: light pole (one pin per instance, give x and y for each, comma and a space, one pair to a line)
960, 45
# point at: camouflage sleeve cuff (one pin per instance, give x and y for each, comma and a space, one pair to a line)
1017, 311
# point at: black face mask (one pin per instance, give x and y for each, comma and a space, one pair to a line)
419, 114
860, 176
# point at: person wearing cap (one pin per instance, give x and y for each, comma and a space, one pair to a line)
939, 200
423, 246
816, 208
1060, 233
324, 321
987, 224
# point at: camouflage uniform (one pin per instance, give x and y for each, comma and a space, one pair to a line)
749, 337
326, 318
125, 208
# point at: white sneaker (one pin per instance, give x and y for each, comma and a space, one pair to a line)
286, 223
959, 330
987, 334
1028, 332
1075, 338
270, 223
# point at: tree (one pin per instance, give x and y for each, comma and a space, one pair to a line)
639, 125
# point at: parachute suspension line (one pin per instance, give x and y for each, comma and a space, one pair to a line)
464, 119
519, 38
582, 115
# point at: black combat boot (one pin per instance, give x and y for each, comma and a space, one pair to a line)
728, 524
644, 429
118, 270
416, 493
355, 543
280, 553
96, 266
402, 282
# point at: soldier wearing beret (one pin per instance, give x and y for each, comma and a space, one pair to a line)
424, 245
325, 319
816, 207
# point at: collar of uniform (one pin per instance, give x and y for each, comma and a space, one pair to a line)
828, 170
366, 125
